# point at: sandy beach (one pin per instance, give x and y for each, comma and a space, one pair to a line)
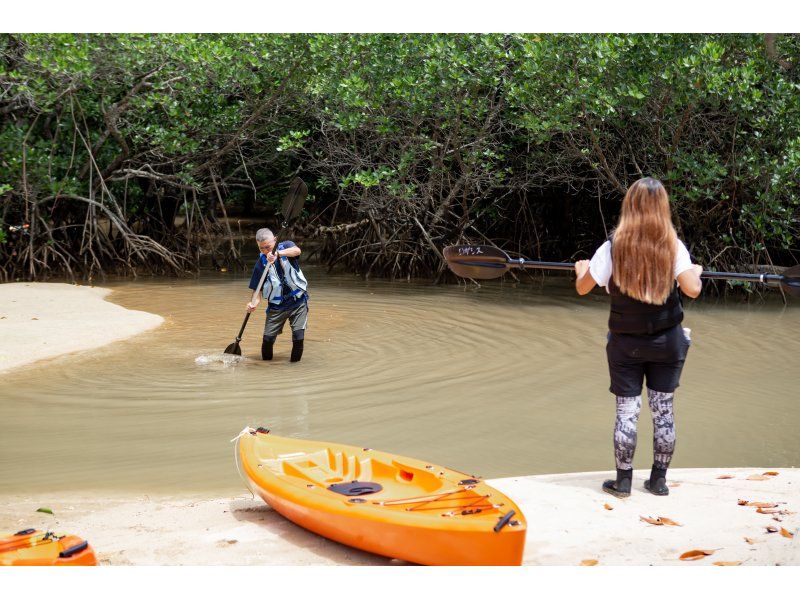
568, 523
43, 320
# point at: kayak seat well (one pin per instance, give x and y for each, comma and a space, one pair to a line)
323, 468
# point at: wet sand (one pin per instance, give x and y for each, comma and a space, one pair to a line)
567, 523
44, 320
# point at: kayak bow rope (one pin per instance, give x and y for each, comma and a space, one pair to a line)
292, 206
484, 262
244, 432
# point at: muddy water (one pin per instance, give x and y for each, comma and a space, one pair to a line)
495, 381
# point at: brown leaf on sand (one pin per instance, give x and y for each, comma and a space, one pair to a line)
589, 562
763, 505
668, 521
771, 529
694, 555
770, 473
725, 476
727, 563
764, 511
752, 540
743, 503
659, 521
674, 484
786, 533
758, 478
608, 507
650, 520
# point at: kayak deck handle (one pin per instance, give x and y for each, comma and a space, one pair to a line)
25, 532
505, 520
65, 554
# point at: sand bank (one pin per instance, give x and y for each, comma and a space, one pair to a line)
43, 320
567, 523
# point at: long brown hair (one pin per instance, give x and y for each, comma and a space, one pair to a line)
645, 244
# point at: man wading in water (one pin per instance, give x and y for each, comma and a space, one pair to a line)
639, 267
285, 291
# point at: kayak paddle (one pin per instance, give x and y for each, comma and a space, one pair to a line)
483, 262
292, 206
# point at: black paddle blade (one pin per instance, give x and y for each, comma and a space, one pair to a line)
791, 281
481, 262
233, 349
295, 197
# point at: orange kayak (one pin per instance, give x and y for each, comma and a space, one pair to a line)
34, 547
387, 504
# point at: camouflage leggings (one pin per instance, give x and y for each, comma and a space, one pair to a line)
628, 409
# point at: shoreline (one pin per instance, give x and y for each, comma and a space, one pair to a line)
567, 523
42, 320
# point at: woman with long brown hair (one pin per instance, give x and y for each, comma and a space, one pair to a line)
639, 267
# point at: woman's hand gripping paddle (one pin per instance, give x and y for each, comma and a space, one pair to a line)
483, 262
292, 206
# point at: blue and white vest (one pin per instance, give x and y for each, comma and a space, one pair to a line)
273, 285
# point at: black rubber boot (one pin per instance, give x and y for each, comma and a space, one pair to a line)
266, 349
297, 350
621, 487
657, 484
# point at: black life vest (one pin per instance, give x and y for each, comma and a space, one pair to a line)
631, 316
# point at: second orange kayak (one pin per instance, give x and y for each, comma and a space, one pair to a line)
34, 547
383, 503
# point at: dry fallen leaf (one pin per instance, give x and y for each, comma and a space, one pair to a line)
752, 540
763, 505
743, 503
694, 555
771, 529
770, 473
589, 562
764, 511
758, 478
728, 563
674, 484
668, 521
659, 521
608, 507
650, 520
786, 533
725, 477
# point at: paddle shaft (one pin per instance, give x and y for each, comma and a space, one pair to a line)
521, 263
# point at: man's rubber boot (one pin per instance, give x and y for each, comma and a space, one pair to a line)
297, 350
657, 484
266, 349
621, 487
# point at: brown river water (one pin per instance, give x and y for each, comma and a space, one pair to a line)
495, 381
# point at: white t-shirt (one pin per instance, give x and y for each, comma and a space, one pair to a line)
600, 265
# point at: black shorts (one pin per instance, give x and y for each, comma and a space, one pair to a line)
657, 357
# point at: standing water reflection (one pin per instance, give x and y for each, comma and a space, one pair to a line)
497, 381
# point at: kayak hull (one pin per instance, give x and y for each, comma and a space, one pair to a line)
36, 548
423, 513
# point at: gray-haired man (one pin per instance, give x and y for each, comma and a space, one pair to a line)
285, 290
